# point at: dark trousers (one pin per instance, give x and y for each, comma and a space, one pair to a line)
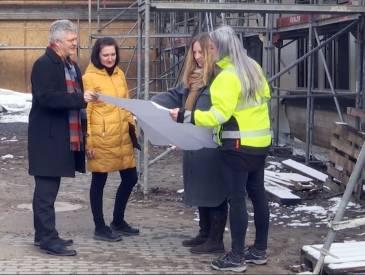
45, 194
246, 173
128, 181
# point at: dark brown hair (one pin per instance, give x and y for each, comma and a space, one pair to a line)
99, 44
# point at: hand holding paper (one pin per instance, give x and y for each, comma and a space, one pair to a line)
160, 129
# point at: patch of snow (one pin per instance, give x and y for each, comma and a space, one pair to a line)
337, 202
8, 156
17, 105
274, 204
311, 209
295, 224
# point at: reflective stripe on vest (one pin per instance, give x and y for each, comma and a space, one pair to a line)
218, 115
245, 134
254, 103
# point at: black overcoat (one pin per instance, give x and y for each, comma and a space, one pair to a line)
203, 182
48, 131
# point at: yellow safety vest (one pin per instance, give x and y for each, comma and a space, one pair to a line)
252, 117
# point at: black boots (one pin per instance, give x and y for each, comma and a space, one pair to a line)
212, 224
204, 224
214, 243
197, 240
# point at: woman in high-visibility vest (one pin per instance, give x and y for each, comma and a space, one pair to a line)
241, 122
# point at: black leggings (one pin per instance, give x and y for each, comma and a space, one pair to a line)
245, 173
129, 179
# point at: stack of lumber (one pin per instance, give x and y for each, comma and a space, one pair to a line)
282, 184
346, 143
343, 258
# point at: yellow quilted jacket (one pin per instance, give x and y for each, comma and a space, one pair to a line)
108, 133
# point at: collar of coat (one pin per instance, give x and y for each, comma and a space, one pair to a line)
92, 69
53, 55
224, 63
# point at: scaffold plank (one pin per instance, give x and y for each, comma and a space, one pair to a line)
259, 8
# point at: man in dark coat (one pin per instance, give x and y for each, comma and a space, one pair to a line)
55, 133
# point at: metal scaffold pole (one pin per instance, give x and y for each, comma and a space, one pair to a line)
355, 175
146, 89
139, 71
310, 109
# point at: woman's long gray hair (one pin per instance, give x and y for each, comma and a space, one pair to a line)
249, 72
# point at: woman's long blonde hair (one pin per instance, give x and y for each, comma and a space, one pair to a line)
248, 71
190, 64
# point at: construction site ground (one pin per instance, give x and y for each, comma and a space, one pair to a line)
162, 217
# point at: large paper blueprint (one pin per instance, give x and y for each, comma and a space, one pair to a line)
160, 129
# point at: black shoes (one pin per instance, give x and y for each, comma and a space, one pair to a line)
124, 228
255, 256
59, 240
58, 249
197, 240
209, 247
230, 262
106, 234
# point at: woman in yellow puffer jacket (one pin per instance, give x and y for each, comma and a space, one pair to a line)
111, 135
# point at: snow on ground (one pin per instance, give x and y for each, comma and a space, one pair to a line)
307, 214
16, 104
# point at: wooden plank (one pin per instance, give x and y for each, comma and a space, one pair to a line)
349, 133
344, 252
343, 178
290, 177
345, 147
305, 170
279, 181
338, 159
283, 194
349, 257
356, 112
345, 268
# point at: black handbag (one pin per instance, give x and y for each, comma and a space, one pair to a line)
133, 136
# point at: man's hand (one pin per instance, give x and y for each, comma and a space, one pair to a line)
90, 96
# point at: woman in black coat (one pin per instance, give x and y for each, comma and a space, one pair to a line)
203, 185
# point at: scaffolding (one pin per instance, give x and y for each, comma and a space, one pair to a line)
164, 29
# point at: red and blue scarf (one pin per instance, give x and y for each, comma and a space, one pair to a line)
75, 116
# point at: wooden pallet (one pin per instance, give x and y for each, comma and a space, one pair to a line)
346, 142
349, 258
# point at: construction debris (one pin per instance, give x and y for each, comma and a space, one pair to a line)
281, 185
297, 166
346, 143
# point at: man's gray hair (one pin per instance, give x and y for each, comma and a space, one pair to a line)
59, 28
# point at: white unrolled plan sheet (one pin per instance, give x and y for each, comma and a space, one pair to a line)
160, 129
